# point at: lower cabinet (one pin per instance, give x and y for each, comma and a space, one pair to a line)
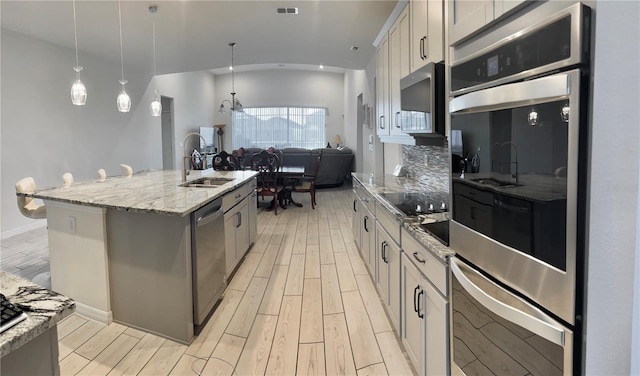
253, 217
425, 318
387, 253
355, 224
236, 233
368, 238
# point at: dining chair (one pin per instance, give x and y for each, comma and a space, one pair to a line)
307, 183
224, 161
268, 166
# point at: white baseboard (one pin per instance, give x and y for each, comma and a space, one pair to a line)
94, 314
38, 223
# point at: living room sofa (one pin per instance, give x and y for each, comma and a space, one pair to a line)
335, 167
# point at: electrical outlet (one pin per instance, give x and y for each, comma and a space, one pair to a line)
72, 224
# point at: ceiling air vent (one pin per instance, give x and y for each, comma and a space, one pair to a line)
287, 10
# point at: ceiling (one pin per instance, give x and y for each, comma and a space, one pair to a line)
194, 35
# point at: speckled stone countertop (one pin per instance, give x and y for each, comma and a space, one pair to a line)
44, 309
377, 184
530, 187
155, 191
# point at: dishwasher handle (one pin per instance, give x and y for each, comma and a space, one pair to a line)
209, 217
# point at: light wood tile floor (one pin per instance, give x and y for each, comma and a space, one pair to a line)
301, 303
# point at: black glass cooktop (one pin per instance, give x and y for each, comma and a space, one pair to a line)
413, 204
439, 230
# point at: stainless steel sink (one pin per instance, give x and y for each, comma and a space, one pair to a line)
206, 182
496, 183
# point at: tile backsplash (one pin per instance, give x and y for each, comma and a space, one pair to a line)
428, 165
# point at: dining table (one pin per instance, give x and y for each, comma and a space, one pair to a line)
288, 176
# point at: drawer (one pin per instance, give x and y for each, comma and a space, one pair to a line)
388, 221
478, 195
234, 197
429, 264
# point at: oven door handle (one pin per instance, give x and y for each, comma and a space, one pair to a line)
504, 305
517, 94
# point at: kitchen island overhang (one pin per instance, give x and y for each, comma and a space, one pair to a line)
122, 248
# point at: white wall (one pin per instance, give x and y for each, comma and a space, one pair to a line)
356, 83
285, 87
614, 191
44, 135
193, 106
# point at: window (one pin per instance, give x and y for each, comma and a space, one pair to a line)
280, 127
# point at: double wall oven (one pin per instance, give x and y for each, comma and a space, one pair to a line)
519, 106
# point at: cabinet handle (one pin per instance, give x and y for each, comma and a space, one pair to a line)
422, 48
421, 315
383, 252
238, 196
415, 256
397, 119
473, 212
354, 206
381, 122
239, 219
415, 304
365, 199
365, 223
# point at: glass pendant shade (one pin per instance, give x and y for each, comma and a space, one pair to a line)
123, 101
156, 106
78, 90
564, 113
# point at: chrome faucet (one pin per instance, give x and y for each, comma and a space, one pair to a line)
515, 175
185, 172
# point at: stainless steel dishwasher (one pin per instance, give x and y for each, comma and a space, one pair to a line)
208, 261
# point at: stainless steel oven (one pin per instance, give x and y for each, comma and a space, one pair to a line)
517, 216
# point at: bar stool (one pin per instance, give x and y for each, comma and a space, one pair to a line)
126, 170
30, 209
67, 178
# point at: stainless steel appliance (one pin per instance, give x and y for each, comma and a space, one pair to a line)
422, 104
208, 261
518, 222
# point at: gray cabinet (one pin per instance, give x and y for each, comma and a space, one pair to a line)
399, 67
236, 233
425, 308
387, 253
382, 88
427, 32
469, 16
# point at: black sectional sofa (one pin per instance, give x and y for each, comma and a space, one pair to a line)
335, 167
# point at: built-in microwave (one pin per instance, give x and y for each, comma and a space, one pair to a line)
422, 102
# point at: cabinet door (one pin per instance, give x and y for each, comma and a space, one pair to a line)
504, 6
369, 241
242, 228
399, 67
435, 31
419, 26
393, 259
467, 16
253, 217
382, 87
230, 240
355, 224
412, 313
436, 312
382, 262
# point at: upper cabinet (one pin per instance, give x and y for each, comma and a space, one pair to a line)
398, 67
382, 87
427, 32
468, 16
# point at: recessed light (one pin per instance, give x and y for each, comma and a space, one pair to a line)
321, 66
281, 65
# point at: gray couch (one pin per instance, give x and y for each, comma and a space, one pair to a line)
335, 167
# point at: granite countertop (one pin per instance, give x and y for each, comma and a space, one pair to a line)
44, 309
378, 183
154, 191
530, 187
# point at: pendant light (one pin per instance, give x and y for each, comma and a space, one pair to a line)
156, 106
234, 104
78, 91
123, 101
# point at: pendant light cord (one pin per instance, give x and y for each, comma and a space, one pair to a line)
154, 43
121, 55
233, 83
75, 31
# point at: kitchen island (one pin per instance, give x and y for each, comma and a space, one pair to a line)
121, 248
